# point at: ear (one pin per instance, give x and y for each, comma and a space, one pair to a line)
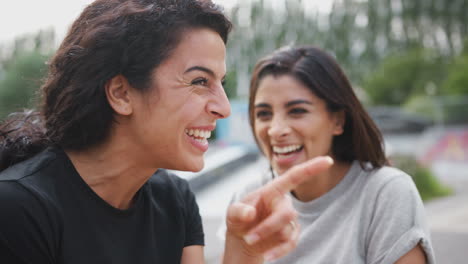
118, 95
339, 119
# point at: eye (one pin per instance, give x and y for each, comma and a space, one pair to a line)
200, 81
223, 83
298, 111
263, 115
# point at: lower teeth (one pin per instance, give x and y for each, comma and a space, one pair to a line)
201, 140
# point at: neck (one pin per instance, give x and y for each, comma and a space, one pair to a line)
322, 183
112, 172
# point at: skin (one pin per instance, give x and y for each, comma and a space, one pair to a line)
296, 116
150, 133
150, 128
414, 256
288, 113
258, 227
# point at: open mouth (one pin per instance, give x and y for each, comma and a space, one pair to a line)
287, 150
199, 135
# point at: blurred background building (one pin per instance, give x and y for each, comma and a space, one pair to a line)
407, 60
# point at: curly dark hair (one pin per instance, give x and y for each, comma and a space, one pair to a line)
112, 37
21, 136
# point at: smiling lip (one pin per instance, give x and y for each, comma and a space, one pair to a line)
202, 146
287, 160
209, 127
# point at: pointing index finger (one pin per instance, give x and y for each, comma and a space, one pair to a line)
295, 176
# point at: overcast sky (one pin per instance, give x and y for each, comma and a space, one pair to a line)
29, 16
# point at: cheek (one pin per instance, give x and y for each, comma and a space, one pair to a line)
261, 133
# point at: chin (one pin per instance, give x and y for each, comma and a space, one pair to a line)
194, 166
197, 168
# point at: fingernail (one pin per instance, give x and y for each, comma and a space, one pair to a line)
329, 159
251, 238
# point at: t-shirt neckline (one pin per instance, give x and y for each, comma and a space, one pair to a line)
89, 193
319, 204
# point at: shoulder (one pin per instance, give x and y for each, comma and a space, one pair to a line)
25, 182
12, 195
28, 167
25, 218
36, 180
16, 203
389, 193
390, 181
397, 220
392, 194
28, 184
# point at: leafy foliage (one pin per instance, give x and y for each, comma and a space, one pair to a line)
426, 182
404, 75
21, 81
457, 80
22, 67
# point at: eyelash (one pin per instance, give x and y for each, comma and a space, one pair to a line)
204, 82
200, 81
297, 111
263, 115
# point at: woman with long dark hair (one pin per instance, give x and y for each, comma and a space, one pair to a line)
135, 86
302, 106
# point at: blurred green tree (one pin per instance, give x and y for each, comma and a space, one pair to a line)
361, 34
405, 75
457, 80
22, 67
21, 81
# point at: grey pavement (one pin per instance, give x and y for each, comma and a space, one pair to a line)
448, 221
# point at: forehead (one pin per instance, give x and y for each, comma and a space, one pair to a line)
282, 88
198, 47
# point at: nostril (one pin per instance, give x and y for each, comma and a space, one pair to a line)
217, 114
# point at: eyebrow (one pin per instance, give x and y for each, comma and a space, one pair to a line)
288, 104
262, 105
295, 102
203, 69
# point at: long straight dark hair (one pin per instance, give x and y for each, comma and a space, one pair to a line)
361, 139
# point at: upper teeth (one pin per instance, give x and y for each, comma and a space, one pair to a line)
286, 149
198, 133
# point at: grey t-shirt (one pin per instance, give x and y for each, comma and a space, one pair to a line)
371, 216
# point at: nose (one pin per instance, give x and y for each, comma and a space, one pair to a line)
278, 127
219, 106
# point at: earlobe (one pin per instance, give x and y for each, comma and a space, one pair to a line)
339, 123
118, 95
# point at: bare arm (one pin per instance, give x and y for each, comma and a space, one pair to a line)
193, 255
414, 256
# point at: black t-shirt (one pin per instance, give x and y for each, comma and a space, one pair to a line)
48, 214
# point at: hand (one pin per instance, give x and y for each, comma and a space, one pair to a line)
264, 222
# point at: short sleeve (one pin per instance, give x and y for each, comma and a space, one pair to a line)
193, 224
25, 231
398, 223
